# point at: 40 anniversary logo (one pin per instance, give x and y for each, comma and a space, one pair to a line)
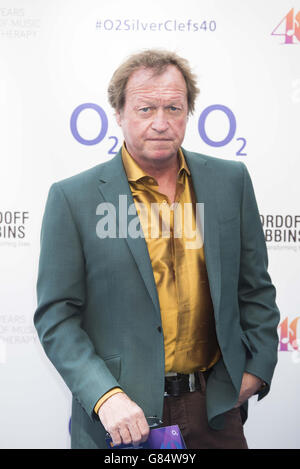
289, 28
112, 150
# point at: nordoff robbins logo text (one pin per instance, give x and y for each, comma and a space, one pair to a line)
137, 220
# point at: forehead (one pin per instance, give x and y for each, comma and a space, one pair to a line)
145, 81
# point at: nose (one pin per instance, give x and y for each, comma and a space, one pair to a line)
160, 121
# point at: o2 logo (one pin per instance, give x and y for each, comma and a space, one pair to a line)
201, 127
290, 29
103, 129
288, 337
231, 132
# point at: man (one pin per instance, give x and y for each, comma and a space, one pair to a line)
143, 325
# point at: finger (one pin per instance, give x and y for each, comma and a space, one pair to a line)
116, 437
136, 436
125, 435
143, 428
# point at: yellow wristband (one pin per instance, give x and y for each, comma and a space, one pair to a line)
105, 397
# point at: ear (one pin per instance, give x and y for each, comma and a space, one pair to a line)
118, 118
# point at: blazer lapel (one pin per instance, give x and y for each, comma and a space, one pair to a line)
113, 184
205, 191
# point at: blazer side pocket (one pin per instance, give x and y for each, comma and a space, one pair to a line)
113, 363
229, 218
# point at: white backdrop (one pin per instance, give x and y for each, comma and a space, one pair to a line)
58, 55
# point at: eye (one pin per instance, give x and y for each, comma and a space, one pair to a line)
145, 109
174, 108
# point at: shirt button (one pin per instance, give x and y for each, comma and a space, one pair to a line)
165, 202
159, 329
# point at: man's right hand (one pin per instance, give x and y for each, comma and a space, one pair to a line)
124, 420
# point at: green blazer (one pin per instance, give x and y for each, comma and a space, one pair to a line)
98, 315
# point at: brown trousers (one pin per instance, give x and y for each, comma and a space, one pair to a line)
188, 411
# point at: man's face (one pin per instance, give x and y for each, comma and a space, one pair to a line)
154, 116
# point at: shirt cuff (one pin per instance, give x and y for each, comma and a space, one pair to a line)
105, 397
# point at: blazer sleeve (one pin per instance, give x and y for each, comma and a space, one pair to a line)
259, 314
61, 298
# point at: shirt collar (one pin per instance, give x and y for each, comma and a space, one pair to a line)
134, 172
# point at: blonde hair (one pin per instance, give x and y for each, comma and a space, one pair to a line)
155, 59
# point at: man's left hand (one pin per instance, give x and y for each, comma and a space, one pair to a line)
250, 385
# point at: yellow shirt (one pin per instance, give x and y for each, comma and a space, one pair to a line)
176, 252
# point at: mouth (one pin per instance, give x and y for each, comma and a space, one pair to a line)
159, 139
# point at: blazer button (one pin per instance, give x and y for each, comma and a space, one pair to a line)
159, 329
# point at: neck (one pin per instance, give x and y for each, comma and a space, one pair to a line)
161, 170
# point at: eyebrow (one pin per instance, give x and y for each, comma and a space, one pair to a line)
154, 102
